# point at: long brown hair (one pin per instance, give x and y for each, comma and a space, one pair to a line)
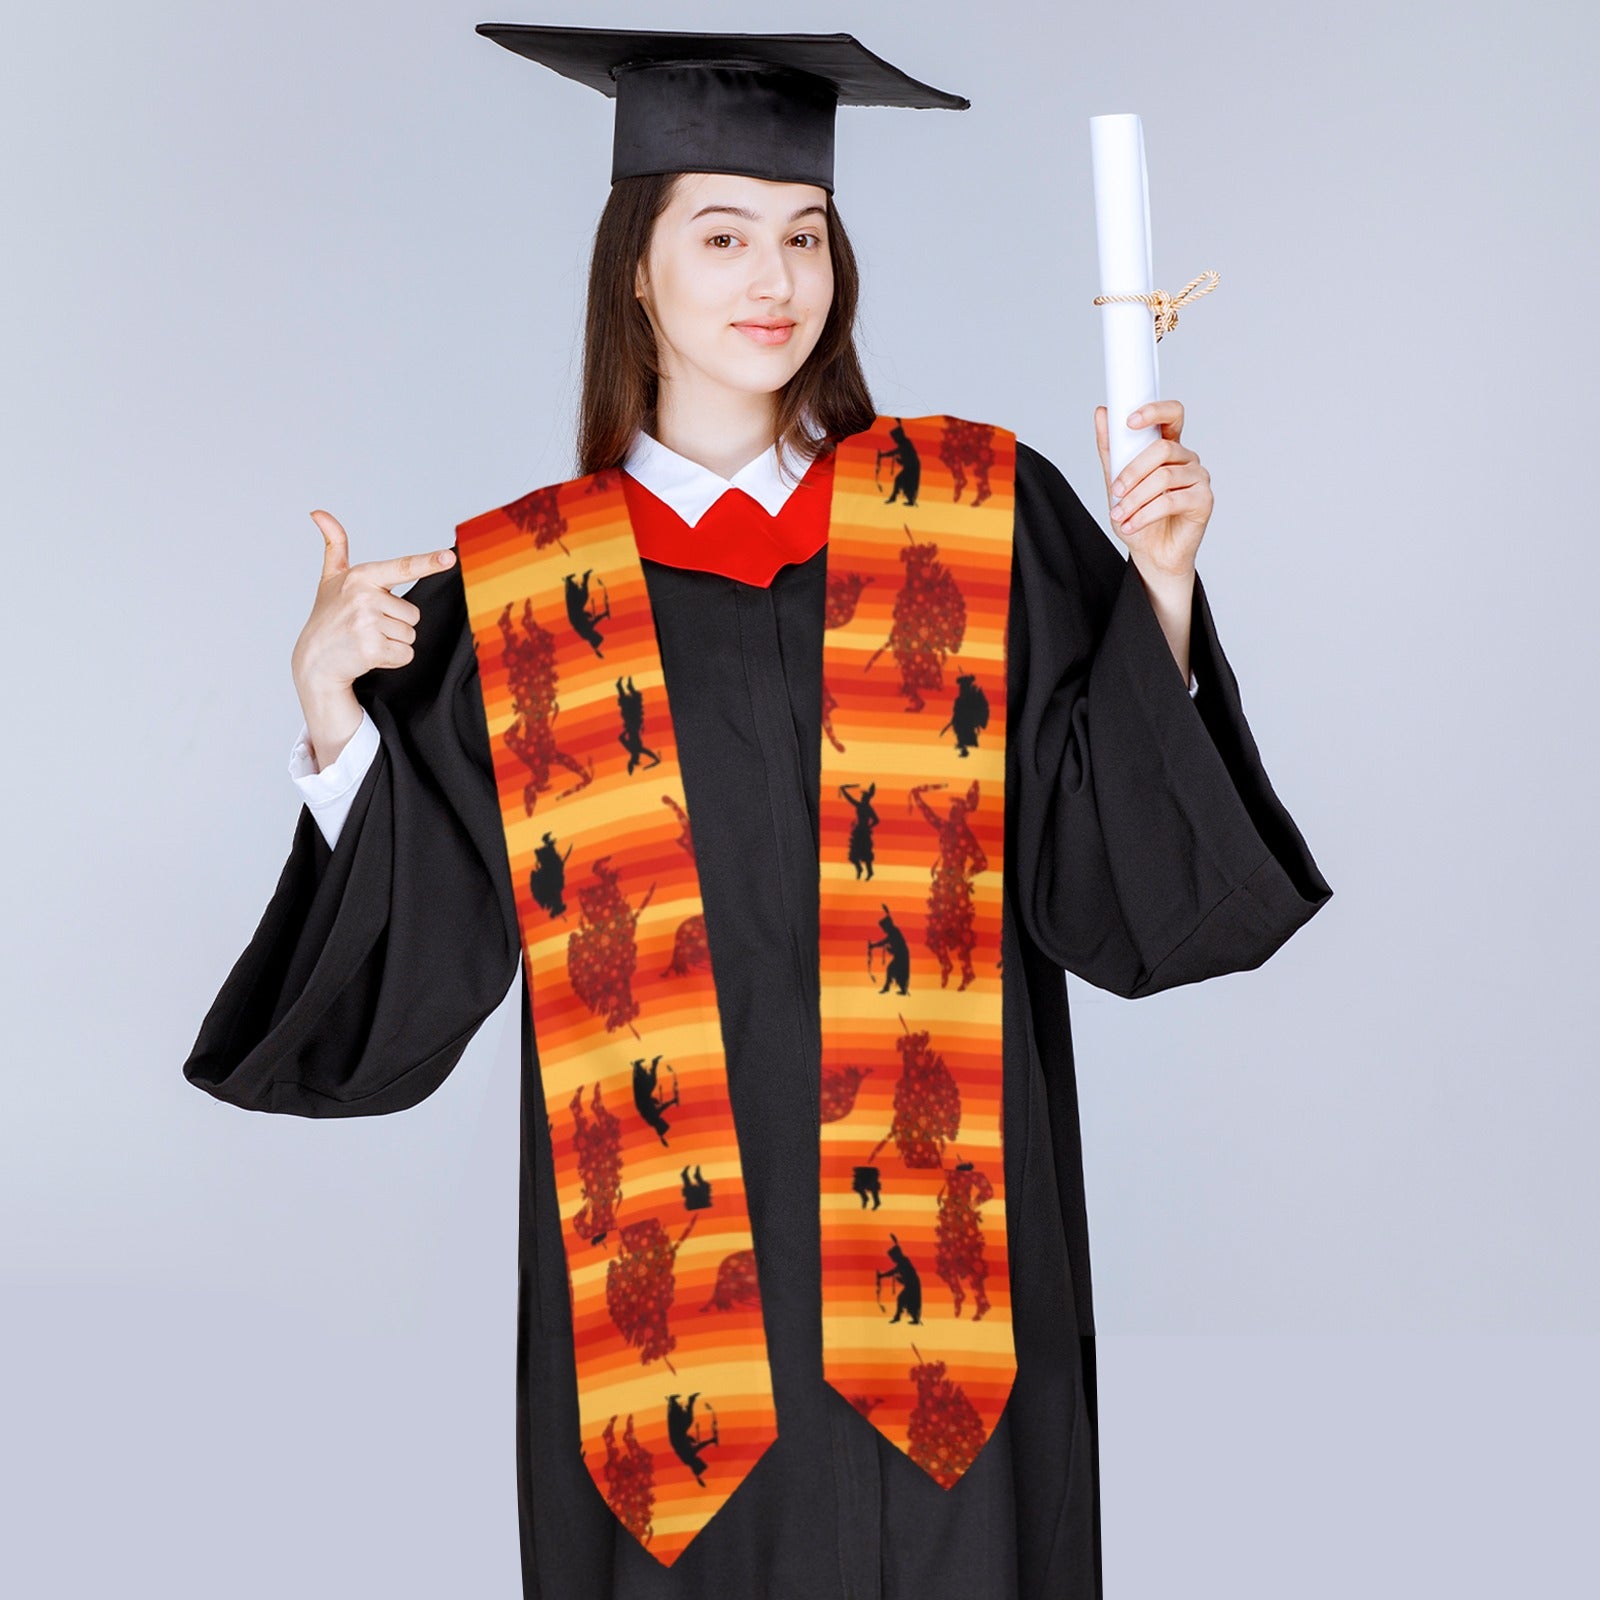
620, 374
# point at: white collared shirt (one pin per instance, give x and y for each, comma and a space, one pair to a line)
689, 488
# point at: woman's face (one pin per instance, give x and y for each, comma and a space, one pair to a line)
730, 252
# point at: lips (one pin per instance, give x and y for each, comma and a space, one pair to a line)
766, 332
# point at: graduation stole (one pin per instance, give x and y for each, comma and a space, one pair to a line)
674, 1390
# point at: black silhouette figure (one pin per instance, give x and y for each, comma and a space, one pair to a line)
696, 1190
910, 1281
549, 877
864, 1182
645, 1101
630, 702
969, 713
684, 1437
586, 623
897, 966
861, 828
908, 465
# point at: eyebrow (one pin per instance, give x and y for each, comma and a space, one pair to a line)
755, 216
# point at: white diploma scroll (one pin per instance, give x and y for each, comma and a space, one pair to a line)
1122, 229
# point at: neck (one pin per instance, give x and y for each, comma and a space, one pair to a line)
722, 429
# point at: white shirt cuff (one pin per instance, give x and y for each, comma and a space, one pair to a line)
1193, 684
330, 793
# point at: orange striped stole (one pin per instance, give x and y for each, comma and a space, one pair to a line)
674, 1389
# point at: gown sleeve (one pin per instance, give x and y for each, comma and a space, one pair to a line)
1151, 850
377, 959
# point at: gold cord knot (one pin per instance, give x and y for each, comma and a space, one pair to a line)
1164, 305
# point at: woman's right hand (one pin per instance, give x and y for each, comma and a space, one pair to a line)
356, 624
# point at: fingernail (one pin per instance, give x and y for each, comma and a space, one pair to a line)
444, 557
1134, 417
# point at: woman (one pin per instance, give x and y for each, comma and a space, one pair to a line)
1142, 847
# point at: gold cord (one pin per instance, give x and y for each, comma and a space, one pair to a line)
1163, 304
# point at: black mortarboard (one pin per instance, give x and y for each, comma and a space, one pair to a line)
760, 104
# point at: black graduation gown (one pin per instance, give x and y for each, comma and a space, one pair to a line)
1145, 849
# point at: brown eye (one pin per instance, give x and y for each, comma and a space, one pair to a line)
714, 237
816, 236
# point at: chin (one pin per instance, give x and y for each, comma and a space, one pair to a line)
764, 379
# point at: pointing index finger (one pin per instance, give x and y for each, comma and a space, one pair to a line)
402, 569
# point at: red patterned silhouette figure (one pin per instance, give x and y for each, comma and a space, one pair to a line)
601, 953
685, 835
865, 1402
927, 1103
602, 480
690, 948
844, 593
641, 1286
530, 663
968, 444
960, 1254
950, 930
839, 1086
946, 1431
597, 1143
630, 1480
737, 1283
539, 513
930, 621
1005, 657
830, 704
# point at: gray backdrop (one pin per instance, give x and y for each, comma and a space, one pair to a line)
259, 260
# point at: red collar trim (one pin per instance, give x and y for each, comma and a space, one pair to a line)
737, 537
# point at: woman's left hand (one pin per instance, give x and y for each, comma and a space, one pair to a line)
1163, 494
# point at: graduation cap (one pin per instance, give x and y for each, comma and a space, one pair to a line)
760, 104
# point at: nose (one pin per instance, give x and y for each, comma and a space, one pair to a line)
772, 276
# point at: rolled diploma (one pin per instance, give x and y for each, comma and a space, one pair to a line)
1122, 229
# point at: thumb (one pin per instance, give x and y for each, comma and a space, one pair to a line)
1102, 438
336, 547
